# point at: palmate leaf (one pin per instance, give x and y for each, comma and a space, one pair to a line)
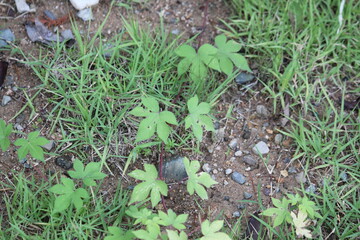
193, 61
171, 219
118, 233
5, 131
142, 215
300, 222
280, 211
151, 185
173, 235
151, 233
155, 121
226, 56
211, 230
68, 194
89, 174
198, 117
31, 145
196, 182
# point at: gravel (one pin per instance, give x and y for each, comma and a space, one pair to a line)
64, 162
247, 195
233, 144
206, 168
261, 148
278, 138
243, 78
300, 177
49, 145
236, 214
238, 153
174, 169
238, 177
228, 171
5, 100
248, 159
262, 111
311, 188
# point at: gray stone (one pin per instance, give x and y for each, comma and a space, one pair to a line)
238, 153
49, 145
267, 191
292, 170
64, 162
261, 148
343, 176
247, 195
243, 78
241, 206
278, 138
81, 4
238, 177
216, 125
233, 144
206, 168
246, 133
228, 171
215, 171
262, 111
248, 159
175, 31
236, 214
174, 169
311, 188
85, 14
226, 182
6, 35
5, 100
18, 127
220, 134
300, 177
22, 6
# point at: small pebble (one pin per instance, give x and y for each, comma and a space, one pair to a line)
243, 78
247, 195
226, 198
261, 148
233, 144
343, 176
248, 159
267, 191
241, 206
287, 160
206, 168
18, 127
49, 145
238, 177
278, 138
246, 133
216, 125
64, 162
300, 177
262, 111
215, 171
236, 214
226, 182
175, 31
238, 153
292, 170
311, 188
228, 171
5, 100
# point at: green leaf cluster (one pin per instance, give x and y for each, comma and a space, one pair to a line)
31, 145
198, 117
154, 121
89, 174
68, 195
118, 233
221, 58
211, 230
196, 182
5, 131
150, 185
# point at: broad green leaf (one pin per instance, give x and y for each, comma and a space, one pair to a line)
151, 185
68, 194
142, 215
185, 51
119, 234
308, 207
91, 172
211, 230
173, 235
5, 131
196, 181
281, 211
152, 232
155, 121
198, 117
171, 219
31, 145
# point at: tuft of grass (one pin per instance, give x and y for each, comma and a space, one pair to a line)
310, 62
29, 215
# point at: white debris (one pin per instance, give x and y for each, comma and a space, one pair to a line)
82, 4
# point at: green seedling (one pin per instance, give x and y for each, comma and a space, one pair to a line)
68, 194
91, 172
198, 117
211, 230
31, 145
151, 185
5, 131
155, 120
173, 235
171, 219
196, 182
118, 233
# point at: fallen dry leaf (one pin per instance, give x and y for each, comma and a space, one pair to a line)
284, 173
